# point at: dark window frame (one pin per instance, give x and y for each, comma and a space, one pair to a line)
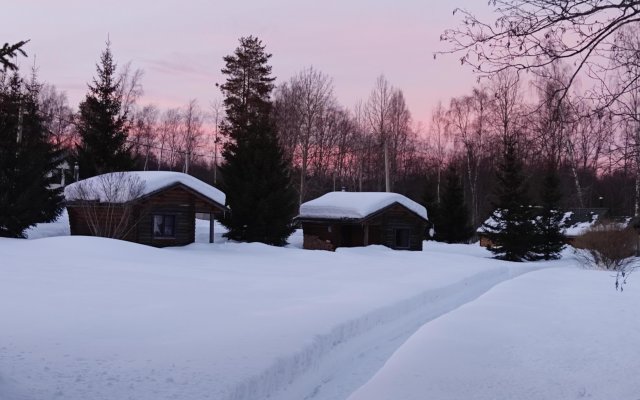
165, 218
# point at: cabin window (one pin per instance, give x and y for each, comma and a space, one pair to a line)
164, 226
402, 238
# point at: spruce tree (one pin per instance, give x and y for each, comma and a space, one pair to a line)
102, 127
511, 229
26, 159
550, 240
454, 226
7, 51
256, 174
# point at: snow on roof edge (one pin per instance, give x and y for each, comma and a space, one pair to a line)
356, 205
120, 187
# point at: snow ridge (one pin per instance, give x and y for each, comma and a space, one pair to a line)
280, 379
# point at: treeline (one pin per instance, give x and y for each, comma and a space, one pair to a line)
375, 145
333, 147
175, 139
595, 151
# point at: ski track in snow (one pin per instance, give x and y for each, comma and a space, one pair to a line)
339, 362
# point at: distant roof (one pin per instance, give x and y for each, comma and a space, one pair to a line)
356, 205
120, 187
576, 221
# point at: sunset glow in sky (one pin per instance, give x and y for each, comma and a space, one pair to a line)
180, 44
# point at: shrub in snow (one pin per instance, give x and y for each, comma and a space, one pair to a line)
608, 246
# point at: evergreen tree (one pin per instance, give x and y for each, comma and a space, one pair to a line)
511, 230
26, 159
102, 127
550, 240
256, 174
8, 51
453, 225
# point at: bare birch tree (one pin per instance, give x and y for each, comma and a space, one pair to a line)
314, 92
469, 123
58, 116
129, 90
192, 132
217, 116
171, 138
534, 34
378, 114
439, 136
144, 133
626, 109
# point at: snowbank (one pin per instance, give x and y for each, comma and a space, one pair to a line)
552, 334
86, 317
114, 187
355, 205
59, 227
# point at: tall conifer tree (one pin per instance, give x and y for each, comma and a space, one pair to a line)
550, 240
256, 175
511, 229
103, 129
27, 156
454, 226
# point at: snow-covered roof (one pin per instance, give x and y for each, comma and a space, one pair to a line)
578, 221
355, 205
120, 187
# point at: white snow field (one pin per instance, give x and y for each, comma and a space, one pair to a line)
91, 318
551, 334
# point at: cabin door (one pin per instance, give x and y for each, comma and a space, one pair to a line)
346, 236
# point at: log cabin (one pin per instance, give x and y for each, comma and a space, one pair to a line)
352, 219
155, 208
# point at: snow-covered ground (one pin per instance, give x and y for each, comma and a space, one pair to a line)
551, 334
90, 318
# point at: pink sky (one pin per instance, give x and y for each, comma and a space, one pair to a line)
180, 44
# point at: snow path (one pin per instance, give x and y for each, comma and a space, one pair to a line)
553, 334
339, 362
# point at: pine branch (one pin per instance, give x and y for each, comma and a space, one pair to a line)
8, 51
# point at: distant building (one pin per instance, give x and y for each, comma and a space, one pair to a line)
351, 219
155, 208
577, 221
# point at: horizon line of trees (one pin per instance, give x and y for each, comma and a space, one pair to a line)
376, 145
